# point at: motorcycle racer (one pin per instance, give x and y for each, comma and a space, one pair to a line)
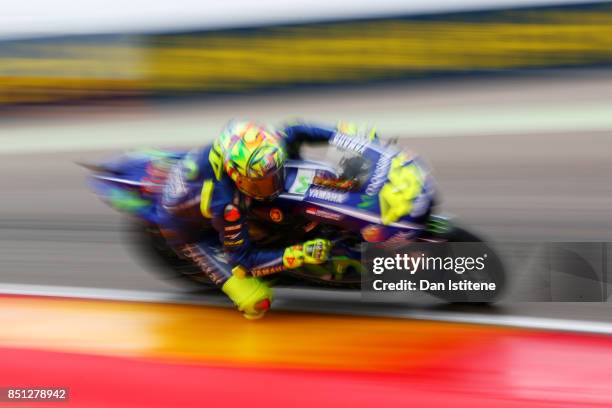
215, 185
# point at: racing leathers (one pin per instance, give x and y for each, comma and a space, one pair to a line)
199, 196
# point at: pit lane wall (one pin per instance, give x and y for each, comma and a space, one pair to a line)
181, 64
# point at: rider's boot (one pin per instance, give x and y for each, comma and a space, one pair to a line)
251, 295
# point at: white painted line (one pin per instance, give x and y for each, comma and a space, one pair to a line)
526, 322
108, 294
539, 323
168, 129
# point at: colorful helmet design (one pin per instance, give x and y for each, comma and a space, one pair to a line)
254, 158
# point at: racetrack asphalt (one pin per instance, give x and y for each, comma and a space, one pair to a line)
534, 185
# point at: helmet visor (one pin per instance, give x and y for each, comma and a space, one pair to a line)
264, 188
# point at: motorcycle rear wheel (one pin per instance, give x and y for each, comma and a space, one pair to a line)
495, 267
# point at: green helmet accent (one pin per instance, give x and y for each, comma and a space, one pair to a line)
253, 157
353, 129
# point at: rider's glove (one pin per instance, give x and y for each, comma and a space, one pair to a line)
250, 295
315, 251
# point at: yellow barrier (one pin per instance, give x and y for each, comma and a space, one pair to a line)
357, 51
243, 60
51, 70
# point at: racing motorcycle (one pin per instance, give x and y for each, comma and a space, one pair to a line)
366, 191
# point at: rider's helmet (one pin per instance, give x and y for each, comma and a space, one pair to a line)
254, 158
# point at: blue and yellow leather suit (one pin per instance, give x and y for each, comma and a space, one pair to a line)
195, 199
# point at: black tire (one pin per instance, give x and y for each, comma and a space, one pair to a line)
495, 269
459, 234
152, 250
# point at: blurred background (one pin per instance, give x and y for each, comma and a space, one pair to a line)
62, 53
509, 101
